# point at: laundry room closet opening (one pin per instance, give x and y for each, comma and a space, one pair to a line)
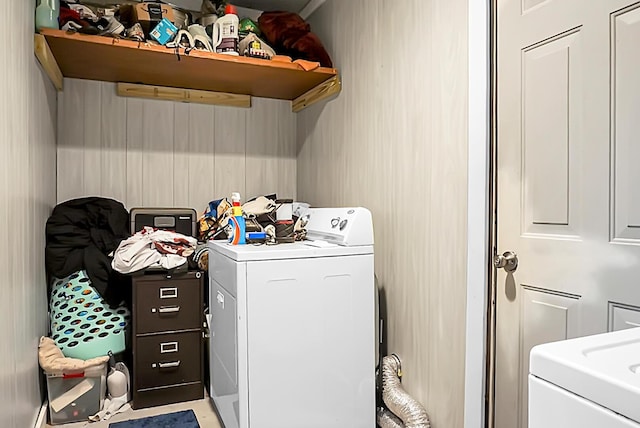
394, 140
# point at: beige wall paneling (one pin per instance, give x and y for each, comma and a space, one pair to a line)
134, 152
113, 133
271, 148
27, 194
157, 161
448, 234
395, 141
92, 137
231, 144
200, 137
181, 155
70, 164
7, 358
163, 153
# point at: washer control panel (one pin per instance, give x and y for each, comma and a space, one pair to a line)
341, 226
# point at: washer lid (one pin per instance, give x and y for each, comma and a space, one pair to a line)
298, 250
604, 368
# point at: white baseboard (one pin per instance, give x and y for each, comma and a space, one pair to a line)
41, 422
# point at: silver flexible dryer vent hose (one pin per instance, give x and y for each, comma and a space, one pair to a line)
412, 413
386, 419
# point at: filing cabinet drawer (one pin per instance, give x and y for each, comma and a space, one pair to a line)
168, 359
168, 395
167, 304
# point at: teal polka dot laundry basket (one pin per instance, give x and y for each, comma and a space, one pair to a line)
82, 324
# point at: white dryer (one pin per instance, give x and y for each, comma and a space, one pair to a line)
292, 327
589, 382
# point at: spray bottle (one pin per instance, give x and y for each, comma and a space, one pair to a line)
236, 221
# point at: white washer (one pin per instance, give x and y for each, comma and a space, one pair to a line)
293, 330
589, 382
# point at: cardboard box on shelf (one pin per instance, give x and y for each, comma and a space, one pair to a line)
164, 32
149, 15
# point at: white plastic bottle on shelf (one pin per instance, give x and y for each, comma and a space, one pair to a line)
47, 13
227, 32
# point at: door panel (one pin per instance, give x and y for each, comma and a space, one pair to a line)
626, 127
545, 316
622, 317
568, 103
551, 125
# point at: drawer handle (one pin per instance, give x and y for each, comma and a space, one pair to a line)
169, 309
168, 347
169, 365
169, 293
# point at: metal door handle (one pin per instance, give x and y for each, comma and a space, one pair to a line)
508, 261
169, 309
169, 365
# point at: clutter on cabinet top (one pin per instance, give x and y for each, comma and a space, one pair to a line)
267, 220
153, 249
213, 222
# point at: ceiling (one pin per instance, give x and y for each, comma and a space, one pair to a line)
259, 5
289, 5
262, 5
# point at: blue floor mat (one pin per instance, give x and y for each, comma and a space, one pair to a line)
184, 419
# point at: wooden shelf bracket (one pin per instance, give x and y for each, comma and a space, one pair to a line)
183, 95
48, 61
319, 93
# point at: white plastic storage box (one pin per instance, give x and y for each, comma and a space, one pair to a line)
75, 397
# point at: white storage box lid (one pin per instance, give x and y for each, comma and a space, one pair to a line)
604, 369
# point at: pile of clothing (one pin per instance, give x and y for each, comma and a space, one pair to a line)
80, 235
153, 248
83, 19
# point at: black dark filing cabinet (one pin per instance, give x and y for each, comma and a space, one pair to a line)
167, 338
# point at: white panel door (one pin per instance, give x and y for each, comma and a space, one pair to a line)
567, 135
